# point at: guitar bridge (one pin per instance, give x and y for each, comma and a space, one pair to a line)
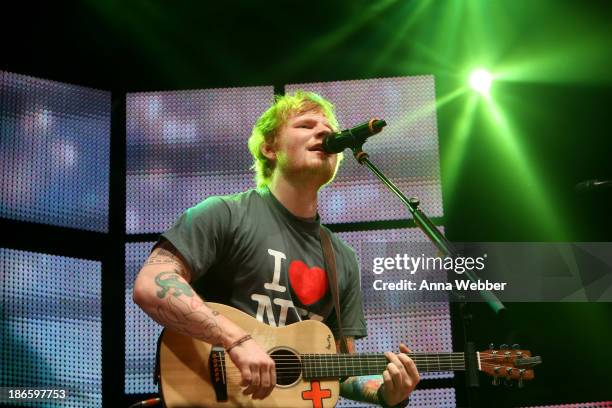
218, 377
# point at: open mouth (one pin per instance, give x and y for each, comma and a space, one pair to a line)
317, 148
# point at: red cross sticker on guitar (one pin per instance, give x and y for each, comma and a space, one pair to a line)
316, 394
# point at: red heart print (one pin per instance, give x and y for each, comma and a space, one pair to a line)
309, 284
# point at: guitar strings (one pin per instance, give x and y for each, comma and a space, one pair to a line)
335, 358
295, 368
299, 369
292, 365
234, 374
419, 363
377, 355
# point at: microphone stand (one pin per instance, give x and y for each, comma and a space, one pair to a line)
446, 248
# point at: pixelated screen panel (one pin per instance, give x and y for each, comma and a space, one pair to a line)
406, 150
141, 332
51, 325
184, 146
428, 398
54, 152
391, 316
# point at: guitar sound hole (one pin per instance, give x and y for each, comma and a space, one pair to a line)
288, 366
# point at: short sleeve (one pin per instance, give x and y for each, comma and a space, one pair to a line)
201, 234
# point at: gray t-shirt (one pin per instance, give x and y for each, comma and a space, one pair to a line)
248, 251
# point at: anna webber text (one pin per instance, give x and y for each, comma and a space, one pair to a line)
458, 284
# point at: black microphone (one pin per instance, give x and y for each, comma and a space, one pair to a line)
353, 137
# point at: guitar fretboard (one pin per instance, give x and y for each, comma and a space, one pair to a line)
348, 365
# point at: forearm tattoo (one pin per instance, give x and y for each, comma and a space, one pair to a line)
182, 311
364, 388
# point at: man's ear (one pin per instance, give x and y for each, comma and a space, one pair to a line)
268, 151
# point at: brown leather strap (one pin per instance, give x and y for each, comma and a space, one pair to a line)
329, 258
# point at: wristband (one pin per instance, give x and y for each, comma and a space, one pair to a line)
383, 403
238, 342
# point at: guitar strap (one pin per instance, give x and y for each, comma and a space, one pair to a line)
329, 258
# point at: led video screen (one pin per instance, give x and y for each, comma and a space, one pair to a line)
141, 332
51, 326
54, 153
184, 146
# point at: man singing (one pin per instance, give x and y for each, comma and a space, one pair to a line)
260, 251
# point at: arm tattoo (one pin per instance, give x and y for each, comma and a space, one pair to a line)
184, 318
363, 388
163, 256
186, 314
190, 316
172, 282
196, 303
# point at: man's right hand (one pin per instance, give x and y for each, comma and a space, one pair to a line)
257, 369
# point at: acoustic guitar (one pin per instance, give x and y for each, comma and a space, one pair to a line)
195, 374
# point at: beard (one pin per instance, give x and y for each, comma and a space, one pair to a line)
308, 171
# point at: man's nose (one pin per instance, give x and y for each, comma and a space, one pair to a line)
322, 131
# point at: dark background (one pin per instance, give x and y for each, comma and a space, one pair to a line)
155, 45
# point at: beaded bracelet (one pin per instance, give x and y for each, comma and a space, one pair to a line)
238, 342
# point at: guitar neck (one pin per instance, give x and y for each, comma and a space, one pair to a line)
348, 365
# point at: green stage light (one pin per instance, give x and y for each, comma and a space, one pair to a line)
480, 81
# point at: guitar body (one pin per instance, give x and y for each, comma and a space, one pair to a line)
184, 364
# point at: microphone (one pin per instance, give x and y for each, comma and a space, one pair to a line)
353, 137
